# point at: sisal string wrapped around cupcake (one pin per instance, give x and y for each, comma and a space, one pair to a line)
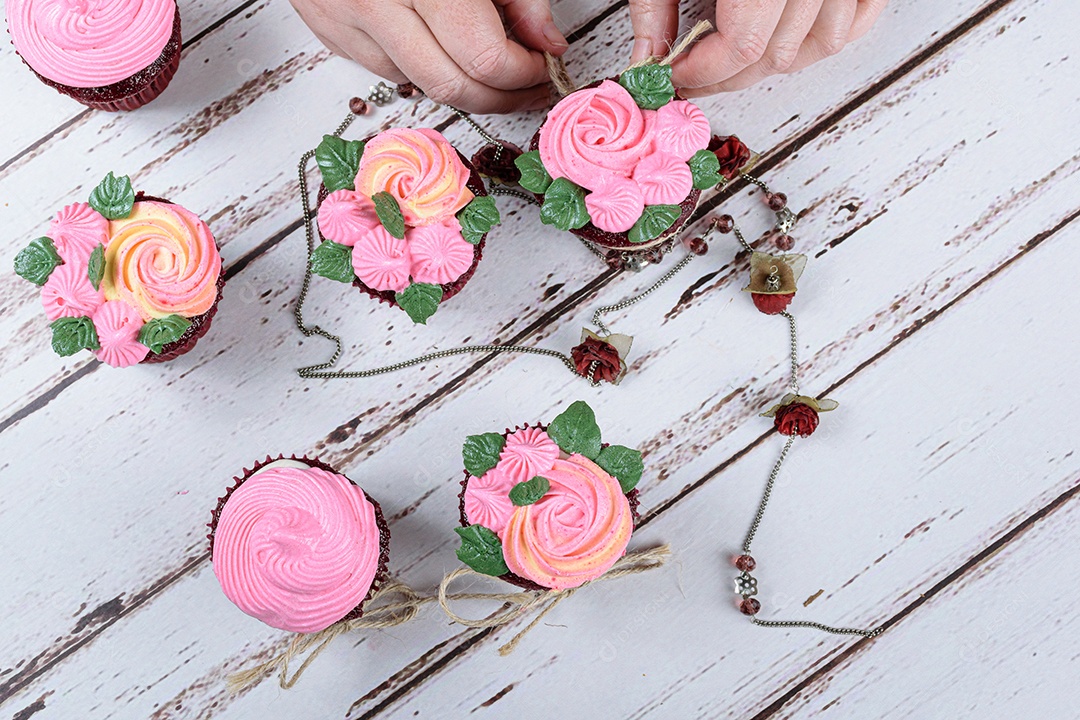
130, 277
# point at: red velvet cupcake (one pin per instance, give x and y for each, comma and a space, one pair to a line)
134, 278
107, 54
403, 217
547, 507
298, 545
622, 163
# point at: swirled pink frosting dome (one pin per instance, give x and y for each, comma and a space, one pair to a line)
90, 43
296, 546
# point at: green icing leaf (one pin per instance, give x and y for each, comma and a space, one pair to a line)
36, 261
113, 197
333, 261
576, 431
481, 452
338, 161
705, 168
389, 212
95, 269
534, 176
564, 205
654, 220
420, 301
161, 331
478, 217
481, 550
530, 491
623, 463
72, 334
649, 85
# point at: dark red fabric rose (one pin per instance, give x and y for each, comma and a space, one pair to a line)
502, 168
606, 357
771, 304
732, 154
796, 419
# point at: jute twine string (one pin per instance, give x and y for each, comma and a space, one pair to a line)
406, 608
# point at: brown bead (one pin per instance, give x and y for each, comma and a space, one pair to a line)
696, 245
407, 90
357, 106
784, 242
776, 201
749, 606
745, 563
654, 255
725, 224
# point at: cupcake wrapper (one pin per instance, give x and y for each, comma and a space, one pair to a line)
476, 184
381, 575
512, 578
133, 92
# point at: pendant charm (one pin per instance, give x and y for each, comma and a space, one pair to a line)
746, 585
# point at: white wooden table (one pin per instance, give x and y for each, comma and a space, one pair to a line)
936, 163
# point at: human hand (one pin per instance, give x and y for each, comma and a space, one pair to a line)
754, 38
456, 51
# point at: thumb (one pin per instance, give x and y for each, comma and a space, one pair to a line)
656, 24
530, 22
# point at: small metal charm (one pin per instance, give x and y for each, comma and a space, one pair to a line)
635, 262
381, 94
746, 585
786, 220
772, 282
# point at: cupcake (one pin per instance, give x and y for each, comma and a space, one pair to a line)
298, 545
133, 278
403, 216
621, 163
107, 54
547, 507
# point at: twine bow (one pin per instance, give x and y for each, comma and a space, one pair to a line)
410, 603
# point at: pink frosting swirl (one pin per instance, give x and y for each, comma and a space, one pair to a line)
420, 168
297, 547
616, 205
595, 133
381, 260
682, 129
76, 230
487, 499
527, 453
439, 253
68, 292
346, 215
162, 260
90, 43
664, 179
573, 534
118, 325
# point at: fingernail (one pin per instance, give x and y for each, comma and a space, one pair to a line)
642, 49
541, 102
553, 36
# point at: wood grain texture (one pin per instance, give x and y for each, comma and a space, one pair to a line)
118, 613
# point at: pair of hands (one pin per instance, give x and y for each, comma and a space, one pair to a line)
458, 52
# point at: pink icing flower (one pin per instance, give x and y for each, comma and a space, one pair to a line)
664, 179
382, 261
68, 292
118, 325
682, 129
596, 133
527, 453
487, 499
346, 215
76, 230
439, 253
616, 205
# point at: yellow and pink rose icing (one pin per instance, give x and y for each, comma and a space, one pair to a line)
400, 216
90, 43
551, 507
297, 546
121, 277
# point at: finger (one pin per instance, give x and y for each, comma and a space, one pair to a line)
829, 34
413, 49
865, 16
331, 46
795, 22
472, 35
530, 22
743, 31
359, 46
656, 25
